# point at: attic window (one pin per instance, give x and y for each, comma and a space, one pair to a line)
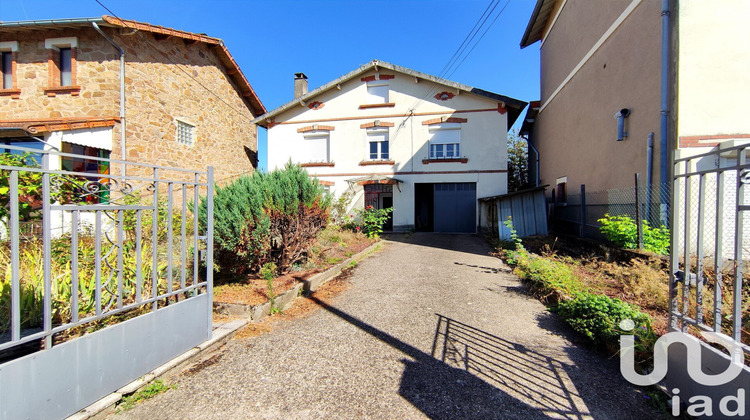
62, 66
185, 133
377, 92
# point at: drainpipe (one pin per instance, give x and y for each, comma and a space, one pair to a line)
122, 93
536, 162
664, 124
649, 173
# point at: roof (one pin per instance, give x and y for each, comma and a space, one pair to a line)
528, 121
232, 68
513, 194
39, 126
514, 106
538, 21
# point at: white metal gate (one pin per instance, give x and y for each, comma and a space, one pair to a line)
122, 255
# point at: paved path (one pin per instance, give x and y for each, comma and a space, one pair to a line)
432, 327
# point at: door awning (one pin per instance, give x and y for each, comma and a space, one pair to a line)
374, 179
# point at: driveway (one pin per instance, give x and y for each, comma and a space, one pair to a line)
431, 327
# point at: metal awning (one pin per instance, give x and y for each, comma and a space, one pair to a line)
374, 179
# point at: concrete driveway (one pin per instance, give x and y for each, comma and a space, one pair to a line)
432, 327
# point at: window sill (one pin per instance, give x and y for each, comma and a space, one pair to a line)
317, 164
456, 160
54, 90
385, 105
376, 162
13, 93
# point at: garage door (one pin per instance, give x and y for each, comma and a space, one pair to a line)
455, 207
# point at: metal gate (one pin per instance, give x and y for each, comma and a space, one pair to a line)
710, 249
122, 255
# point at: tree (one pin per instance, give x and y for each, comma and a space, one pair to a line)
518, 162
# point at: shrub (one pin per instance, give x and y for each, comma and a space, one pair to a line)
373, 220
264, 218
598, 317
29, 185
623, 232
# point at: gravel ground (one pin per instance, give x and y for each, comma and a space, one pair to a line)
432, 327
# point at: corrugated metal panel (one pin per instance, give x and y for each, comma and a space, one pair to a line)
528, 212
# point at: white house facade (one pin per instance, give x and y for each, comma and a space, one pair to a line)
394, 137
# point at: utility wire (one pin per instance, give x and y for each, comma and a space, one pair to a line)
453, 61
180, 68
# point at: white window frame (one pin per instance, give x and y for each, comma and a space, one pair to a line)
180, 123
375, 92
317, 135
384, 137
438, 147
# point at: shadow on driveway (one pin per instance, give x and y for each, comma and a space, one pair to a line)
473, 374
460, 242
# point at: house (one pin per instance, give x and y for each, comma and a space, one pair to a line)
126, 90
616, 99
390, 136
633, 86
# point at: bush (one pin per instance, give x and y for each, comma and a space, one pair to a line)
373, 220
263, 218
598, 317
623, 232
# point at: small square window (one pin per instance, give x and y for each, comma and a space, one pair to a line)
377, 93
377, 138
185, 133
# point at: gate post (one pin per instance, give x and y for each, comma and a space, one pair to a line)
582, 232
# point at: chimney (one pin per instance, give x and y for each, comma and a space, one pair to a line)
300, 85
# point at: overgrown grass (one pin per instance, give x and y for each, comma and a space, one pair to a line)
597, 317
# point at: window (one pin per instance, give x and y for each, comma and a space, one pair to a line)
8, 54
66, 67
75, 164
377, 140
62, 66
445, 141
7, 63
561, 193
377, 92
185, 133
314, 147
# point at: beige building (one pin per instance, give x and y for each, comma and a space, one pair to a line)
394, 137
75, 83
602, 59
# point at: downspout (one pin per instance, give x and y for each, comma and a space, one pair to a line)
649, 174
122, 94
536, 162
664, 124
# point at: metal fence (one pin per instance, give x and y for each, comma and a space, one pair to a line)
580, 212
98, 244
711, 242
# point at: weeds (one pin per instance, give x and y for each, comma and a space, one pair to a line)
153, 389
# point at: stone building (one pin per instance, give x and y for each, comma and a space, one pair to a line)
76, 83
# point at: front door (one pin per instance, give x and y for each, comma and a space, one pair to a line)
386, 202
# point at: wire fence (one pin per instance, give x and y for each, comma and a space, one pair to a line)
580, 212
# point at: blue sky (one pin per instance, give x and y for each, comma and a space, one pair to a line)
273, 39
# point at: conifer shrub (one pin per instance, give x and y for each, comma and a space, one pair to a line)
266, 218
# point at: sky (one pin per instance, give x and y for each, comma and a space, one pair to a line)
273, 39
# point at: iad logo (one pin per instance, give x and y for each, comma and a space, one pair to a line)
702, 404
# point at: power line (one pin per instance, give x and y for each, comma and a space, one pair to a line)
453, 61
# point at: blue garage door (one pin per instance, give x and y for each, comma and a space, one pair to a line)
455, 207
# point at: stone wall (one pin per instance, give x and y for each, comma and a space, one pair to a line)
166, 79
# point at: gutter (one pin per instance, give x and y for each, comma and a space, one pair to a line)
122, 95
664, 150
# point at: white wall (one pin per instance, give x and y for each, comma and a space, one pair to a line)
714, 81
483, 139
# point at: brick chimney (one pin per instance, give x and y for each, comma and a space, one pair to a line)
300, 85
